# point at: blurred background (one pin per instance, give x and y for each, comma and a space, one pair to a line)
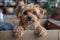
52, 7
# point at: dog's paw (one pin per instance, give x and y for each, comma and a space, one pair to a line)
18, 32
40, 32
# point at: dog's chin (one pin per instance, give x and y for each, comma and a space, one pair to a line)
28, 22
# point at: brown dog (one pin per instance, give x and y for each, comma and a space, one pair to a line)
30, 20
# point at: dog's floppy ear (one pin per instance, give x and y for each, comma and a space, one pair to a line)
42, 11
17, 10
39, 10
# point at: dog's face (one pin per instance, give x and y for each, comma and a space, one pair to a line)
32, 13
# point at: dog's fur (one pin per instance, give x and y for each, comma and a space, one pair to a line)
30, 20
19, 8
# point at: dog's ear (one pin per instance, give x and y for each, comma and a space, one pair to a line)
42, 11
17, 10
21, 3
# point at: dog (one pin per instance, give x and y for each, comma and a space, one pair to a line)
30, 20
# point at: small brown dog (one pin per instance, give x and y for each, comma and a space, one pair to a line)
30, 20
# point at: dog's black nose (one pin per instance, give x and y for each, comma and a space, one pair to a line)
29, 18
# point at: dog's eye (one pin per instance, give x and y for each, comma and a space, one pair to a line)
34, 12
25, 13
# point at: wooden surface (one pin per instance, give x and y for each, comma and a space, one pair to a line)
53, 24
59, 36
56, 22
29, 35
